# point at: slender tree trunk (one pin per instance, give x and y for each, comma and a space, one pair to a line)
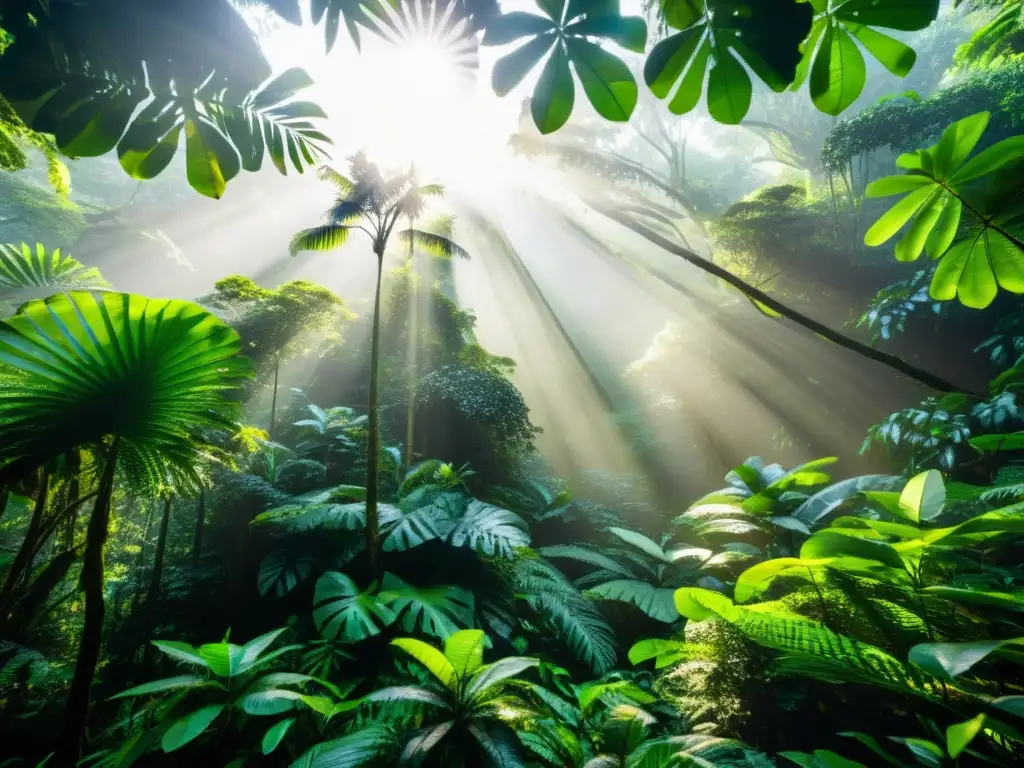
197, 540
410, 357
154, 582
910, 370
23, 560
140, 561
373, 431
75, 467
273, 397
77, 712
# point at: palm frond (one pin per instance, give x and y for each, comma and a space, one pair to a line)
437, 245
335, 177
347, 209
323, 238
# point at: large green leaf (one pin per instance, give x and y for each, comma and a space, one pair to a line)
485, 678
28, 273
832, 56
923, 496
490, 530
835, 543
423, 742
665, 653
566, 34
437, 611
641, 542
356, 749
167, 684
342, 611
465, 650
988, 254
765, 35
275, 735
151, 371
950, 660
1009, 600
190, 727
434, 520
656, 602
282, 570
436, 662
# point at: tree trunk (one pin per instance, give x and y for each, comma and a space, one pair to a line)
373, 431
140, 561
77, 712
410, 356
154, 582
197, 540
23, 560
910, 370
273, 397
75, 468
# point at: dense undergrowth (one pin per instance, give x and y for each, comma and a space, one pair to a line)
260, 529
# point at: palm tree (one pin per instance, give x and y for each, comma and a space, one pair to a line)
372, 202
460, 715
129, 378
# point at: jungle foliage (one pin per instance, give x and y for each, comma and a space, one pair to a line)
370, 569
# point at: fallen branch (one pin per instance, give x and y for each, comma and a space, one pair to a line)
910, 370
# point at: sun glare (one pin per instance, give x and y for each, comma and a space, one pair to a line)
415, 94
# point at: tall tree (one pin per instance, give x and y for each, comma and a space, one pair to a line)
372, 202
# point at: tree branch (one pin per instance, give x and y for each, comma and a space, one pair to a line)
920, 375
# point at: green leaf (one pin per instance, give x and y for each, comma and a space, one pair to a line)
832, 543
897, 185
944, 230
210, 160
436, 611
465, 650
924, 496
1011, 601
1013, 441
341, 611
510, 70
606, 80
912, 244
190, 727
356, 749
729, 90
167, 684
972, 268
180, 652
893, 220
639, 541
512, 26
990, 159
656, 602
960, 735
792, 524
664, 652
630, 32
223, 659
420, 745
148, 147
281, 571
888, 51
756, 579
957, 142
94, 128
490, 530
273, 737
838, 73
553, 97
431, 658
950, 660
766, 36
490, 675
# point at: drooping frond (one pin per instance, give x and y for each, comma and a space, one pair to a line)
323, 238
335, 177
574, 618
437, 245
347, 210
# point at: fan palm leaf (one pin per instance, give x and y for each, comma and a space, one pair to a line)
27, 273
83, 366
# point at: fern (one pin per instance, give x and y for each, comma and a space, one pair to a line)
573, 617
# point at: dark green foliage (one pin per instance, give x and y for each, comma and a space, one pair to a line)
902, 125
299, 476
466, 414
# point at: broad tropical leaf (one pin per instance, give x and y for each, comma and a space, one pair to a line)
766, 36
342, 611
439, 611
190, 727
27, 274
437, 663
84, 358
356, 749
490, 530
656, 602
281, 571
563, 36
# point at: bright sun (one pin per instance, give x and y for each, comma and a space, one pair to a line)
416, 95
